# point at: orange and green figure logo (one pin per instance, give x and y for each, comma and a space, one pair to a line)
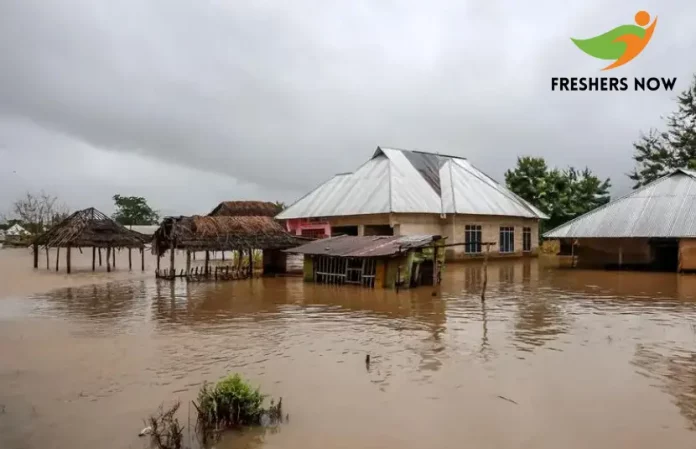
621, 44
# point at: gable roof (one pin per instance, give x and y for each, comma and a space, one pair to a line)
15, 230
664, 208
402, 181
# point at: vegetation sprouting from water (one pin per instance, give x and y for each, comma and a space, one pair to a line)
231, 403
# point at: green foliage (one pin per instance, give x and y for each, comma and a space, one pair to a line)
561, 194
134, 210
232, 403
659, 152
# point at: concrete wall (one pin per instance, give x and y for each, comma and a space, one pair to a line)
598, 253
451, 226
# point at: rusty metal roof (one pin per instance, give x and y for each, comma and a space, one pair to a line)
364, 246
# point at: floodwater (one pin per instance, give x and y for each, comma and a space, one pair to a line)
553, 359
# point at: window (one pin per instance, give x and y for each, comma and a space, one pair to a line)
507, 239
313, 233
526, 239
472, 239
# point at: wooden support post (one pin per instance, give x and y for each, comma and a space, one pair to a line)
57, 256
94, 257
130, 260
158, 261
435, 265
620, 256
223, 255
36, 255
108, 259
67, 259
251, 263
188, 262
172, 252
100, 261
48, 263
113, 257
142, 259
485, 271
207, 261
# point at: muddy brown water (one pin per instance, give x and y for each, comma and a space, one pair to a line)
553, 359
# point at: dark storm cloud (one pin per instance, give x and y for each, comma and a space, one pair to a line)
283, 94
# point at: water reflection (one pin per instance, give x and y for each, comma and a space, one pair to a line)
122, 348
675, 372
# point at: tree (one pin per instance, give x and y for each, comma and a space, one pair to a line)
134, 210
658, 153
36, 212
561, 194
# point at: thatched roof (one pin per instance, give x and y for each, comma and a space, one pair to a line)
245, 209
218, 233
89, 227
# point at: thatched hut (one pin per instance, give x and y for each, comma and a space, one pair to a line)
90, 228
245, 209
222, 233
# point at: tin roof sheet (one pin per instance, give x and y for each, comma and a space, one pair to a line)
402, 181
364, 246
663, 208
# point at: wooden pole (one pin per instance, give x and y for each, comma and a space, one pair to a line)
48, 263
251, 263
435, 263
485, 272
188, 262
67, 259
130, 260
108, 259
100, 261
57, 256
94, 256
142, 259
207, 260
113, 257
223, 255
36, 255
171, 258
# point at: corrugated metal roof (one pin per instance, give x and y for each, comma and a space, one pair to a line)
364, 246
663, 208
401, 181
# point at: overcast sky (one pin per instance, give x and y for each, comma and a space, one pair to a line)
190, 102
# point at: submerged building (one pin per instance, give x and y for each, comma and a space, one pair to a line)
653, 227
373, 261
401, 193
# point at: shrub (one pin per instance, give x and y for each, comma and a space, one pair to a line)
232, 403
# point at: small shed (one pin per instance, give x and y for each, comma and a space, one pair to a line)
90, 228
374, 261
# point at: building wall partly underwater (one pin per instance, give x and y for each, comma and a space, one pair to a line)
451, 226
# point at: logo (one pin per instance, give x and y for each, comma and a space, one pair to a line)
621, 44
